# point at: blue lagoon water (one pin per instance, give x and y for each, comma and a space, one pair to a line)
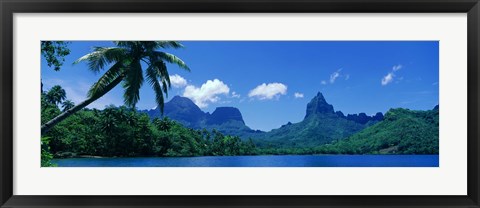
259, 161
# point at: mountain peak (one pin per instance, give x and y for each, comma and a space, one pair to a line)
184, 110
225, 114
180, 99
320, 96
181, 102
318, 105
227, 120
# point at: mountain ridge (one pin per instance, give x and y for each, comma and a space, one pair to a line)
320, 125
227, 120
402, 131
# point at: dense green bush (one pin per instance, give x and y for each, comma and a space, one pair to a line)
401, 132
123, 132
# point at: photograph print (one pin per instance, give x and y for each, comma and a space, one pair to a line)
239, 103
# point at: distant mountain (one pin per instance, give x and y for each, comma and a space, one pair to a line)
227, 120
362, 118
222, 115
321, 125
318, 106
402, 131
183, 110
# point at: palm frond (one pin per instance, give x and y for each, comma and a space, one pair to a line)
132, 83
170, 58
165, 86
101, 85
168, 44
126, 44
152, 77
151, 74
102, 56
163, 74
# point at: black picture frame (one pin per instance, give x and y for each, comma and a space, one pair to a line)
9, 7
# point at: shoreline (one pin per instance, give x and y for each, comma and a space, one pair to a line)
100, 157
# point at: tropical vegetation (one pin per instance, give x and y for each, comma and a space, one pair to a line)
125, 61
402, 131
72, 130
124, 132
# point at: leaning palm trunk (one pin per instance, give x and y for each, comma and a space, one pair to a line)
64, 115
126, 59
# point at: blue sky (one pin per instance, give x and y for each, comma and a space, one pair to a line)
271, 82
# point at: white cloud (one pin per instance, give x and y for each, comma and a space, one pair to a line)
268, 91
207, 93
177, 81
235, 95
298, 95
397, 67
334, 76
387, 79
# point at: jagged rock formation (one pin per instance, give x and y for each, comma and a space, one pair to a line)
227, 120
321, 125
318, 105
224, 114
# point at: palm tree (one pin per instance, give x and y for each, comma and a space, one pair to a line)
67, 104
56, 95
125, 60
164, 124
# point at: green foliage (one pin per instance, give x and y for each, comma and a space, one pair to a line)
54, 52
46, 156
312, 131
67, 104
401, 132
123, 132
125, 60
235, 128
49, 110
56, 95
